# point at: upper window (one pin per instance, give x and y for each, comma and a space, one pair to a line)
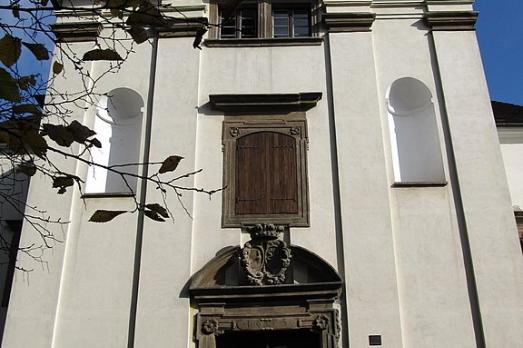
291, 22
264, 20
265, 172
243, 25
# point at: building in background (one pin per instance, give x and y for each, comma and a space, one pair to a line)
365, 204
509, 120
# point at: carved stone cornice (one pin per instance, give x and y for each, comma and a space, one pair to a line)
77, 32
451, 20
337, 22
260, 102
189, 27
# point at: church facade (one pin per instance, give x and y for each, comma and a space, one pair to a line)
364, 197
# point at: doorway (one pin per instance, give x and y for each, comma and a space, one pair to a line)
269, 339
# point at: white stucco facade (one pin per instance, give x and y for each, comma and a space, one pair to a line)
428, 263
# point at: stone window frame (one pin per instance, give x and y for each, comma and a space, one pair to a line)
265, 20
234, 127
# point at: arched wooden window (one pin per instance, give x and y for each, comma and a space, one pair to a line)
266, 177
265, 172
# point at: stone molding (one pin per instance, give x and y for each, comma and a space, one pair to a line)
218, 320
337, 22
264, 42
452, 20
77, 32
260, 102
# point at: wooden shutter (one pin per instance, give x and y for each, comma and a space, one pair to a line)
266, 174
250, 174
283, 179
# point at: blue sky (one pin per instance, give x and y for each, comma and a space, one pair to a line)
500, 35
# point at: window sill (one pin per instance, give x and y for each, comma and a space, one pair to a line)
108, 195
264, 42
419, 184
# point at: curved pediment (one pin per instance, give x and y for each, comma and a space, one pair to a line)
227, 271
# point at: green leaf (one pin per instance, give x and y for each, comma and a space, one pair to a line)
8, 87
28, 168
63, 182
38, 50
26, 108
57, 68
105, 215
58, 133
101, 54
26, 81
10, 49
153, 215
170, 164
157, 208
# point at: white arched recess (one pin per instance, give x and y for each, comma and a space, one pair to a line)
118, 126
415, 144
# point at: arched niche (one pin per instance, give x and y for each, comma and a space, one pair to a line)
118, 126
266, 286
415, 144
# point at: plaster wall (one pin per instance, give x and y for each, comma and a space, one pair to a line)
368, 247
95, 289
495, 250
163, 301
264, 70
430, 266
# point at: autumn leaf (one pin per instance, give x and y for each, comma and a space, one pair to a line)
79, 131
27, 141
157, 208
38, 50
16, 11
58, 133
57, 68
10, 49
170, 164
26, 108
105, 215
95, 142
28, 168
63, 182
26, 81
8, 87
153, 215
101, 54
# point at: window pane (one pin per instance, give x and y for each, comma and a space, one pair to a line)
248, 23
301, 23
228, 29
280, 23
